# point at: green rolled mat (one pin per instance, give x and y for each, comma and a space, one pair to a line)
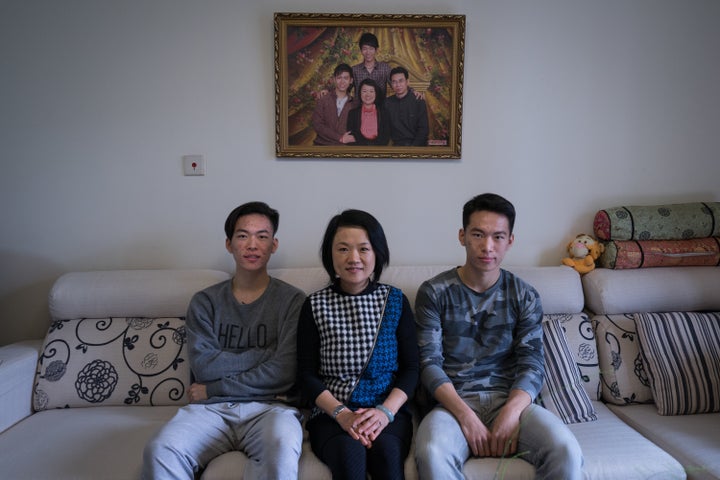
658, 222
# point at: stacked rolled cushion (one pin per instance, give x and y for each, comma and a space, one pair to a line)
684, 234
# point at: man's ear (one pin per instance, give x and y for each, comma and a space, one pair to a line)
275, 245
461, 236
227, 245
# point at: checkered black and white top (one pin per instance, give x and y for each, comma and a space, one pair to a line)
350, 328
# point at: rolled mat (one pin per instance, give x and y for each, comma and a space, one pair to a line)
623, 254
659, 222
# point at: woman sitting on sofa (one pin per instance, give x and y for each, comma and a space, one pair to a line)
357, 356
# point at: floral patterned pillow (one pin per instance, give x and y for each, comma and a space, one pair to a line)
622, 371
112, 361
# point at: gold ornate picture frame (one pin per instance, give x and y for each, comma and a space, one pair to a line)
308, 47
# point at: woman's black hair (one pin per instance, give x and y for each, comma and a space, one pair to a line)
379, 97
376, 235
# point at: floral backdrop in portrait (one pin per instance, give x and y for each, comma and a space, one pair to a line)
314, 52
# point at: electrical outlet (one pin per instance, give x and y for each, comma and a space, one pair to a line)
193, 165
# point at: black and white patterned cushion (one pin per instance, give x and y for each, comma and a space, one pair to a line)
112, 361
624, 376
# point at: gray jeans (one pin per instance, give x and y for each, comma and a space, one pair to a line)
545, 441
270, 434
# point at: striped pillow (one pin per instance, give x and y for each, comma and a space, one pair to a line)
681, 351
563, 392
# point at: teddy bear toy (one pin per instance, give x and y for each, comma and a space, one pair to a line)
583, 250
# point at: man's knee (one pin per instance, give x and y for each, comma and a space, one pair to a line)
568, 453
429, 450
161, 458
288, 425
155, 450
290, 444
435, 448
285, 437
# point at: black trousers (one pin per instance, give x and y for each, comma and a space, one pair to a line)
348, 459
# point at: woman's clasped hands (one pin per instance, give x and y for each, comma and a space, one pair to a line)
364, 424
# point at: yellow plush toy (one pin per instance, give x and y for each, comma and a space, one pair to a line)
583, 250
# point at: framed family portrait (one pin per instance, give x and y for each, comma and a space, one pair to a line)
368, 85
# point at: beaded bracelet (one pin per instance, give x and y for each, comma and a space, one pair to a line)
387, 412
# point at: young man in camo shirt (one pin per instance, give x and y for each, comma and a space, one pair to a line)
481, 357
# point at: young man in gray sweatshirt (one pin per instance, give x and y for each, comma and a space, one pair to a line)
241, 337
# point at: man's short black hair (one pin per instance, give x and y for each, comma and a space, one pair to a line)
359, 219
400, 69
250, 208
343, 67
369, 39
490, 202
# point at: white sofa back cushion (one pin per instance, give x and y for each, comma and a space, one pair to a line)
559, 287
128, 293
665, 289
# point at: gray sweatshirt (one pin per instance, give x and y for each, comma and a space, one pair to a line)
244, 352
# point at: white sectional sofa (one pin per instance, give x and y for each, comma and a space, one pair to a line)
614, 297
82, 403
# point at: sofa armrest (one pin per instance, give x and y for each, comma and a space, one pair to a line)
18, 362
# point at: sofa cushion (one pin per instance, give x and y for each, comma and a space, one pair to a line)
112, 361
682, 354
624, 378
612, 450
101, 443
128, 293
563, 392
580, 337
667, 289
559, 287
17, 368
691, 439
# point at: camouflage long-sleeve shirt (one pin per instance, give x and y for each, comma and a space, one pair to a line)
490, 341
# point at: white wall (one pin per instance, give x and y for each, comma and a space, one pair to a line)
569, 107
